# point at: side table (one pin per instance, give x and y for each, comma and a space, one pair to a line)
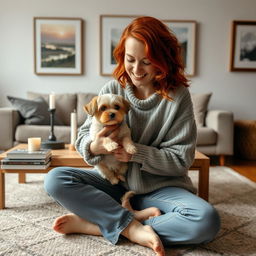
245, 139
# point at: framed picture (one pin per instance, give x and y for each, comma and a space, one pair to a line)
185, 31
58, 46
111, 28
243, 46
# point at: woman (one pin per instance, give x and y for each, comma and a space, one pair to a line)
150, 75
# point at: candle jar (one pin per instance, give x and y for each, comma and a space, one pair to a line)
34, 144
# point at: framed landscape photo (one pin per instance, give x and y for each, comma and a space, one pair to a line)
58, 46
111, 28
243, 46
185, 31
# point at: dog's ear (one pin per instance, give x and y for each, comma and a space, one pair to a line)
126, 105
92, 106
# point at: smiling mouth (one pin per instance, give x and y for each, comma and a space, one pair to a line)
139, 76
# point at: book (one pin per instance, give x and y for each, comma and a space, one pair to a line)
25, 154
7, 161
26, 166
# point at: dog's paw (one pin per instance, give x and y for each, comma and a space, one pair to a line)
111, 146
131, 149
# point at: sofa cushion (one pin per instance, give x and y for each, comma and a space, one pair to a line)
200, 104
23, 132
33, 111
83, 99
206, 136
65, 103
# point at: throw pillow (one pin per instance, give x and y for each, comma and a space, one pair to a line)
65, 104
200, 104
33, 111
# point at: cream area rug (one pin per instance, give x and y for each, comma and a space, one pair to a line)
25, 226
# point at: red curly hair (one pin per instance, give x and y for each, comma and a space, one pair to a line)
162, 49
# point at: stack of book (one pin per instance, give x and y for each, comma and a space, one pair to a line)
23, 159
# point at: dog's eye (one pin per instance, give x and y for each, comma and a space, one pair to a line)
117, 107
103, 108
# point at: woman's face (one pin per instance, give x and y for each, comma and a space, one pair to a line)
137, 65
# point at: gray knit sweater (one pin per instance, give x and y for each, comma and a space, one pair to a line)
164, 133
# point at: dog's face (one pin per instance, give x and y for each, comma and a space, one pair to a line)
108, 109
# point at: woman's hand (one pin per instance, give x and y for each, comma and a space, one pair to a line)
96, 147
121, 155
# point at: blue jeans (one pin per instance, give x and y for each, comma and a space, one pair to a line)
185, 219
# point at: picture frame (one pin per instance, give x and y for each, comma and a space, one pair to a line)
111, 28
243, 46
186, 33
58, 46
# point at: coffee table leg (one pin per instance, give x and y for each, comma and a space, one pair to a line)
22, 177
2, 190
204, 180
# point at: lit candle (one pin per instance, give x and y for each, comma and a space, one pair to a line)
73, 124
52, 101
34, 144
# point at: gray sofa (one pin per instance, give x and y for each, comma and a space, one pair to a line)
215, 127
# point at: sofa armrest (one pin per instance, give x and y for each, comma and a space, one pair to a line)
223, 124
10, 118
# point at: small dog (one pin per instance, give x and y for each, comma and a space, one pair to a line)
110, 109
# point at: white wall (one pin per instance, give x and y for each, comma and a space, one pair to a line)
235, 91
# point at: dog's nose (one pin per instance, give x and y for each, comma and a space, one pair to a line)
112, 115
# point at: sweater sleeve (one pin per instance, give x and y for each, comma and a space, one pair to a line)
175, 154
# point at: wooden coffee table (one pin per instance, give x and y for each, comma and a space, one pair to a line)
67, 157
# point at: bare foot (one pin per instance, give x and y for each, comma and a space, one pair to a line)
72, 223
139, 215
145, 236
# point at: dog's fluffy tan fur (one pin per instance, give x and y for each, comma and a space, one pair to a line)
110, 109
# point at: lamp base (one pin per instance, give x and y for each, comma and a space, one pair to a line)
48, 144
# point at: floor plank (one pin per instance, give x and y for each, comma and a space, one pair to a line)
244, 167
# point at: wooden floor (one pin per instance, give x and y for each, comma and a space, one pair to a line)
246, 168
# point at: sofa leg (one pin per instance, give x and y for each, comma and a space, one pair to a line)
222, 160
